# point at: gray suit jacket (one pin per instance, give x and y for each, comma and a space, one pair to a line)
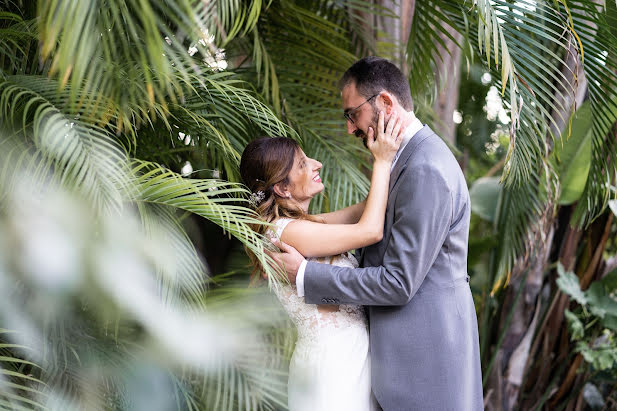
423, 327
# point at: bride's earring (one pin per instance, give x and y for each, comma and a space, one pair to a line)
281, 191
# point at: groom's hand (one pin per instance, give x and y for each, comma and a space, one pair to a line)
289, 259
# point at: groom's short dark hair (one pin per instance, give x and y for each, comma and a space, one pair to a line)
372, 75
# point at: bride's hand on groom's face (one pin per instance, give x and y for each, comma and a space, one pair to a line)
289, 258
388, 140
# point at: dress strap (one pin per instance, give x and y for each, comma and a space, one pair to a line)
280, 224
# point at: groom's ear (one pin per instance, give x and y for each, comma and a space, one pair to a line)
281, 190
388, 102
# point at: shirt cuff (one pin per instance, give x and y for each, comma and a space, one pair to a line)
300, 279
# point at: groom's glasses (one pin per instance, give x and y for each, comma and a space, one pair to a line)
348, 114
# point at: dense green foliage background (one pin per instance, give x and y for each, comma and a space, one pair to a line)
123, 277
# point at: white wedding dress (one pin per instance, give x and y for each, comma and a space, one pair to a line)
330, 365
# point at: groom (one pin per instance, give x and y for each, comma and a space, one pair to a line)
423, 326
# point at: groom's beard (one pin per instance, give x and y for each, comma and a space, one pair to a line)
364, 136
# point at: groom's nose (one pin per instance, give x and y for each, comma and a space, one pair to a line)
351, 127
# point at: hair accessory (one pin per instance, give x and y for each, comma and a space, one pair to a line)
256, 198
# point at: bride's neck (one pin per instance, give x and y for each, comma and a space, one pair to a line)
304, 206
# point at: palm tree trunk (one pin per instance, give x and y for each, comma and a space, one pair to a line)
519, 316
396, 31
448, 84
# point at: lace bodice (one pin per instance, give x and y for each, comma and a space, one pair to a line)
330, 367
313, 320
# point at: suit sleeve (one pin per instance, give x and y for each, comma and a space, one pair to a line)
422, 218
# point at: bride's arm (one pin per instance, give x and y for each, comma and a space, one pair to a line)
347, 215
317, 240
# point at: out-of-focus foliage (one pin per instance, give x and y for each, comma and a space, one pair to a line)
572, 155
104, 295
100, 310
484, 195
597, 305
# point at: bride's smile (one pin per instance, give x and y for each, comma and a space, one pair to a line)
304, 179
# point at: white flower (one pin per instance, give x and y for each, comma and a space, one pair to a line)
257, 198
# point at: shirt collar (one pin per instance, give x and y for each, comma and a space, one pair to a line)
411, 130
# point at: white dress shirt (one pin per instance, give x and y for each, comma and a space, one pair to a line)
415, 126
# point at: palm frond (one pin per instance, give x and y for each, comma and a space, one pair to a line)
257, 379
211, 127
429, 24
129, 51
252, 383
183, 278
524, 46
228, 19
19, 389
16, 37
596, 28
115, 321
529, 43
520, 212
222, 116
86, 156
215, 200
224, 87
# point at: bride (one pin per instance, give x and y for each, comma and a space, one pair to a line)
330, 365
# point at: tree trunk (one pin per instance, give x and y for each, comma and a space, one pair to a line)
448, 83
397, 30
527, 273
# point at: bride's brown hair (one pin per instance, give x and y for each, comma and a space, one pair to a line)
266, 162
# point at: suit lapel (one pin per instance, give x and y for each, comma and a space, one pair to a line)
401, 163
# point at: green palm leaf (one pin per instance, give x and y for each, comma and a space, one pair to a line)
227, 19
423, 55
222, 116
524, 45
16, 37
86, 156
257, 379
183, 278
215, 200
132, 53
597, 34
19, 390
